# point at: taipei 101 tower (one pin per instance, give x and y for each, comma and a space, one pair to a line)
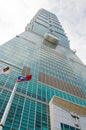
49, 78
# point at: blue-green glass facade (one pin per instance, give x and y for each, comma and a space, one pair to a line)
30, 106
67, 127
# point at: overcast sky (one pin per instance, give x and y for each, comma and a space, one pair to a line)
15, 14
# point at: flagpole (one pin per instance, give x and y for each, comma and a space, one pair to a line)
4, 117
25, 72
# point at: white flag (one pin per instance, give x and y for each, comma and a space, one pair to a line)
5, 71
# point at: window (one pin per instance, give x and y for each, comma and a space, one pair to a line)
67, 127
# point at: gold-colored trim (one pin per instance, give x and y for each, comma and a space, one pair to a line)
60, 85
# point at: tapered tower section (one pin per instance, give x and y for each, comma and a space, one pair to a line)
55, 98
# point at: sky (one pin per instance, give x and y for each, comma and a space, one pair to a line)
16, 14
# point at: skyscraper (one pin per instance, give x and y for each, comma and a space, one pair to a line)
55, 98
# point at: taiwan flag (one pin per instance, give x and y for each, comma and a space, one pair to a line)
24, 78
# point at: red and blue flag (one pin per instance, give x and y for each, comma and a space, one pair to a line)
24, 78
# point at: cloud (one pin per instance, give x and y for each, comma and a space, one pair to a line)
72, 15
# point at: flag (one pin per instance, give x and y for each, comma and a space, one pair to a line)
5, 70
23, 78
